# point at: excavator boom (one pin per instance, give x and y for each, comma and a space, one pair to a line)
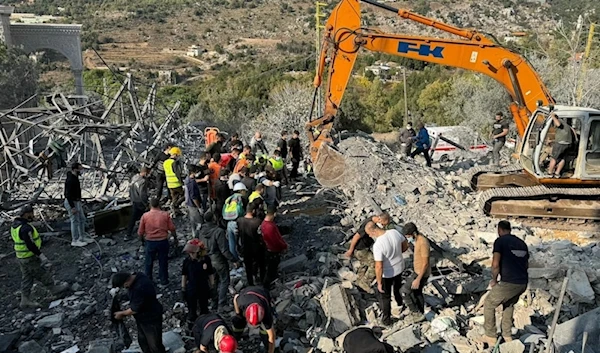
344, 37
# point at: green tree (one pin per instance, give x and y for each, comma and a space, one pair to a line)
18, 77
430, 102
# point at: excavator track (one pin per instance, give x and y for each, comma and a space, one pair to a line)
542, 202
474, 173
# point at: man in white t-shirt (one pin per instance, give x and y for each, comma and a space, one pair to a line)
389, 264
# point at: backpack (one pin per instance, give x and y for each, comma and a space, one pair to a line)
233, 208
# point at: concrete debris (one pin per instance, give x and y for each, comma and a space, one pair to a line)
341, 310
546, 273
514, 346
51, 321
8, 341
31, 347
569, 335
326, 345
101, 346
579, 287
406, 339
293, 263
173, 342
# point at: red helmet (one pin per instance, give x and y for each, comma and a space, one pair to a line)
228, 344
255, 314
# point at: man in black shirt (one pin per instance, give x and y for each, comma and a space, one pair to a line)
157, 165
363, 340
74, 207
360, 246
254, 304
253, 246
296, 152
202, 177
211, 330
217, 146
499, 132
510, 261
144, 307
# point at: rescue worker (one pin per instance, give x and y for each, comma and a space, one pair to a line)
144, 307
214, 168
254, 305
210, 330
222, 192
138, 195
412, 290
193, 200
363, 340
407, 135
247, 180
235, 155
234, 208
173, 174
202, 179
296, 152
258, 202
422, 143
498, 135
160, 170
563, 139
270, 195
282, 146
257, 144
32, 261
243, 160
197, 276
234, 142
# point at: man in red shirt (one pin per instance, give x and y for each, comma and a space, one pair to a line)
275, 246
154, 230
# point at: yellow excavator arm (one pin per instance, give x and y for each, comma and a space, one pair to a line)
344, 37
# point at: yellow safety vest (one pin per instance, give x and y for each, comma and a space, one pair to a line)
277, 164
254, 195
20, 246
172, 179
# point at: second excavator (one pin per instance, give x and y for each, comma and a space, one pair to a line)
522, 190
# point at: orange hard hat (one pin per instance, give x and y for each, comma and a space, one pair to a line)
255, 314
228, 344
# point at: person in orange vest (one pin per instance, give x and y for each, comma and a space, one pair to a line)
173, 174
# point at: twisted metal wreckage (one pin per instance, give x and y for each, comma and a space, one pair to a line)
38, 144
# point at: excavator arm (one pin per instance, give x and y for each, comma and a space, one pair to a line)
344, 37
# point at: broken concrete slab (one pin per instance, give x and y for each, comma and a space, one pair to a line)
51, 321
293, 264
512, 347
406, 338
569, 335
7, 341
579, 287
101, 346
341, 310
173, 342
31, 347
545, 273
326, 344
532, 338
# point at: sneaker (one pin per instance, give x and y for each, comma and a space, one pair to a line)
88, 240
414, 317
79, 243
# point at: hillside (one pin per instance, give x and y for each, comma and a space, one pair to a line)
155, 34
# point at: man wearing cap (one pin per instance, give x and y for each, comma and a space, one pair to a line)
144, 307
31, 260
234, 208
217, 246
73, 205
173, 174
197, 276
498, 135
211, 330
154, 230
254, 304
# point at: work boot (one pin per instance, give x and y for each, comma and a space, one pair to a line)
490, 341
27, 303
58, 289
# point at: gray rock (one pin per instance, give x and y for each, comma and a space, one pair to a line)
326, 344
545, 272
512, 347
7, 341
579, 287
51, 321
568, 335
405, 338
294, 263
31, 347
173, 342
105, 345
341, 308
532, 338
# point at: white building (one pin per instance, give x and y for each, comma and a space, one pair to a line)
194, 51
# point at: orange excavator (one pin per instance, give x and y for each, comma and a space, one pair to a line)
523, 190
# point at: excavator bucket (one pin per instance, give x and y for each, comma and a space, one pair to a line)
329, 166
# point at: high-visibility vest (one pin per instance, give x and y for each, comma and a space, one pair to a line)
277, 164
253, 196
20, 247
172, 179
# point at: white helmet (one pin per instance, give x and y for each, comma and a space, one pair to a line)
239, 187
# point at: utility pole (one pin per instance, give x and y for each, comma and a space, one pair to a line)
405, 97
318, 41
584, 60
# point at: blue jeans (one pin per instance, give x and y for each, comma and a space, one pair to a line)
232, 237
160, 248
223, 281
77, 221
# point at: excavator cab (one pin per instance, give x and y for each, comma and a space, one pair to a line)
582, 156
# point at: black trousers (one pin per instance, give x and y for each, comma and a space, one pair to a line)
414, 299
390, 285
272, 261
161, 179
254, 261
137, 210
150, 336
295, 165
425, 154
197, 299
